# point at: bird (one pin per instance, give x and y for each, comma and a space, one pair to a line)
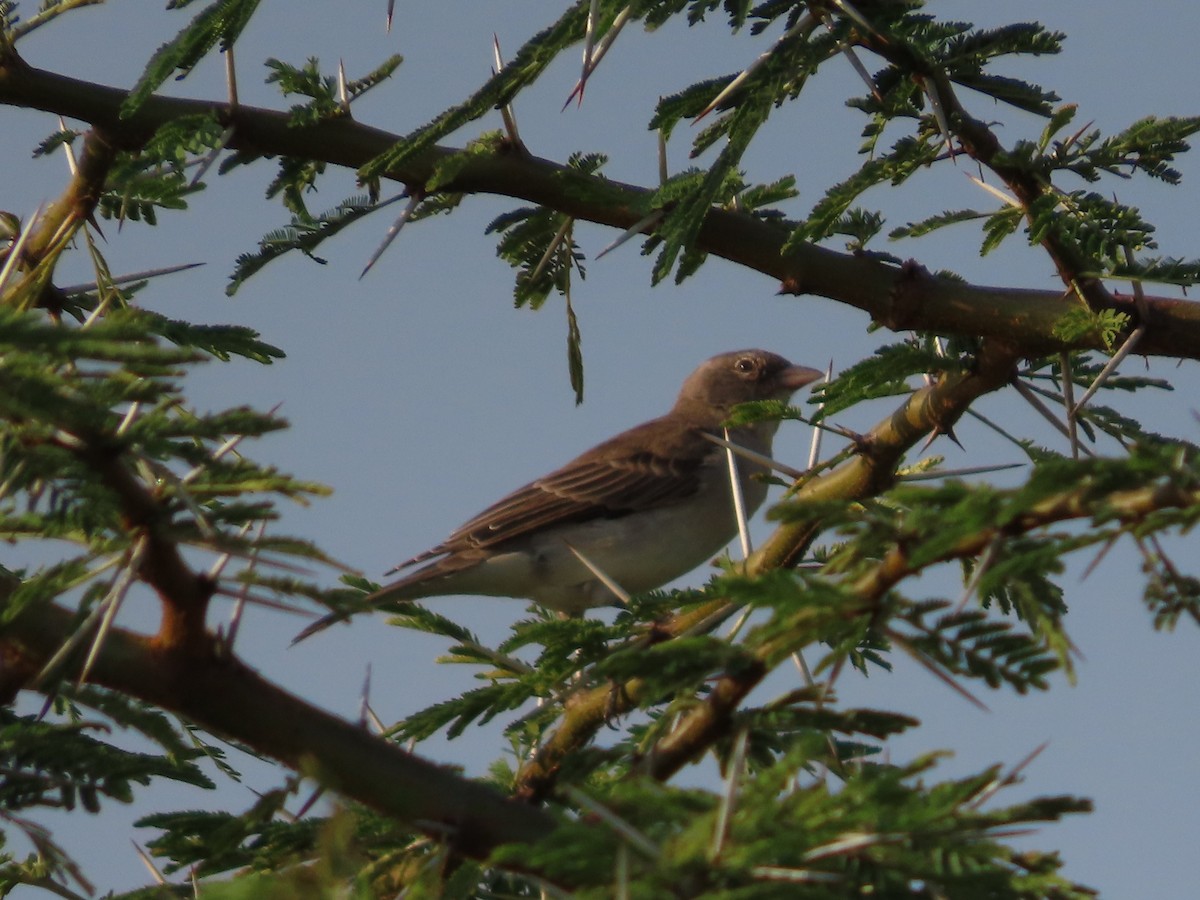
644, 507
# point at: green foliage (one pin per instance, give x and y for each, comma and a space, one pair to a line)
880, 832
303, 233
906, 157
521, 71
59, 765
883, 375
220, 22
97, 384
326, 102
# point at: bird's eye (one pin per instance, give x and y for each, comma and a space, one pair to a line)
744, 366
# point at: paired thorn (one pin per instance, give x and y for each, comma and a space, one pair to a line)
852, 58
112, 604
601, 48
1033, 400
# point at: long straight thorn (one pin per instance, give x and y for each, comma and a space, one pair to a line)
598, 53
985, 563
852, 57
589, 44
605, 579
957, 473
1068, 383
211, 156
663, 172
413, 202
343, 90
558, 238
739, 498
1007, 199
70, 154
737, 763
754, 457
1033, 400
638, 227
506, 111
14, 250
1126, 348
231, 78
814, 449
858, 17
130, 278
805, 23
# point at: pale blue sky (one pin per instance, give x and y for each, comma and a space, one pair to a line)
420, 395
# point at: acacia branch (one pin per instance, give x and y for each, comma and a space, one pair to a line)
224, 696
902, 298
938, 405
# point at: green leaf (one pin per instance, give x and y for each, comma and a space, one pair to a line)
223, 21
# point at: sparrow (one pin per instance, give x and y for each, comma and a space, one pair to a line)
643, 507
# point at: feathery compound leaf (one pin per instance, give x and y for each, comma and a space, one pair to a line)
524, 68
933, 223
907, 156
303, 233
882, 375
1161, 269
222, 21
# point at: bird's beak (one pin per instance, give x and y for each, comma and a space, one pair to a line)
795, 377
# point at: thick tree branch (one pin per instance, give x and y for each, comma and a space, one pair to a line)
901, 299
226, 697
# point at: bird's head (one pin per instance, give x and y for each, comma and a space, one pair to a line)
724, 381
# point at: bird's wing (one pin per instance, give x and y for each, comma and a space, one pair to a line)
655, 464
